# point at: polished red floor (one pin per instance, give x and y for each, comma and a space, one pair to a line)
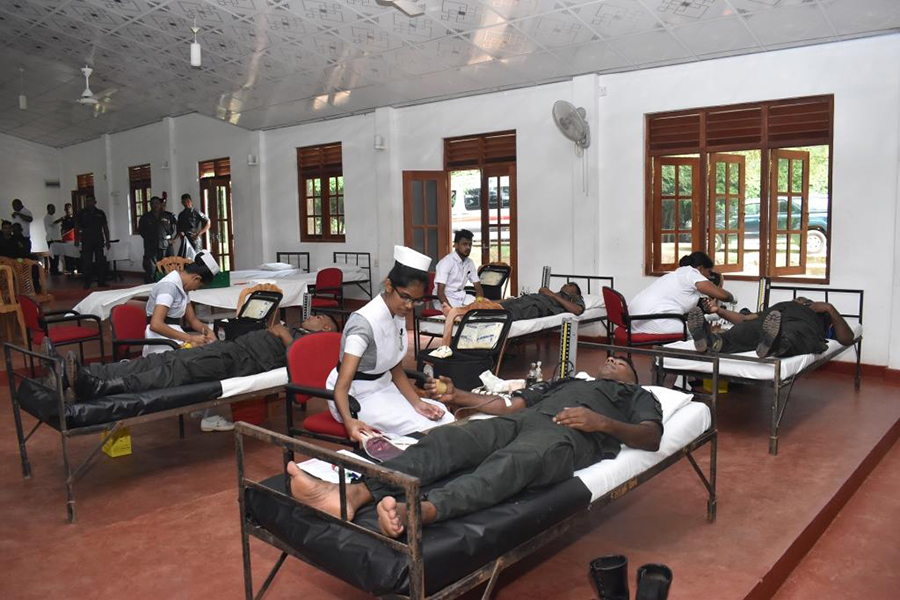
163, 522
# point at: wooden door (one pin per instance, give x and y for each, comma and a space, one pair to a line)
676, 214
788, 212
726, 211
215, 195
498, 218
426, 213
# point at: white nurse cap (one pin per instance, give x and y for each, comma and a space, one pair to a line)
207, 259
411, 258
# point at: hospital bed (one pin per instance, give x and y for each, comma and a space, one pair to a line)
778, 373
106, 416
591, 322
449, 558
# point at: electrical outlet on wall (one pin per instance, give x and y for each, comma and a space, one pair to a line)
375, 262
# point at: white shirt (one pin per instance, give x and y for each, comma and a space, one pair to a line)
455, 273
51, 228
673, 293
26, 225
169, 292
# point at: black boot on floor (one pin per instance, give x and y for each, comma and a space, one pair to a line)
609, 575
653, 582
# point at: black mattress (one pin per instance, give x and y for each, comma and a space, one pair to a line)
42, 403
451, 549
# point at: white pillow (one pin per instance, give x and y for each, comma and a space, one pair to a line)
276, 266
669, 400
592, 301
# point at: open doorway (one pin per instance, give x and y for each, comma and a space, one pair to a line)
215, 199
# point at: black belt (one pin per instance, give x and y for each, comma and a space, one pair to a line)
359, 376
173, 321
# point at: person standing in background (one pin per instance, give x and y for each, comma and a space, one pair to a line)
192, 224
92, 232
158, 231
22, 216
51, 230
67, 234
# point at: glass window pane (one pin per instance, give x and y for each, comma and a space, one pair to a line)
733, 214
720, 213
341, 204
667, 249
782, 213
668, 215
781, 250
332, 204
684, 214
733, 257
317, 187
334, 227
734, 172
418, 216
720, 178
782, 174
668, 180
684, 244
796, 213
311, 226
732, 241
418, 239
431, 202
309, 187
719, 257
795, 250
797, 176
310, 207
332, 186
340, 185
341, 226
685, 183
433, 246
318, 225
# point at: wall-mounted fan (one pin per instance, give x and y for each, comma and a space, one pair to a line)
573, 124
407, 7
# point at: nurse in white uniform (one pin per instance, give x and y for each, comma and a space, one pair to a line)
373, 345
168, 306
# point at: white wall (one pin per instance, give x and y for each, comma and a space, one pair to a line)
24, 167
864, 77
598, 230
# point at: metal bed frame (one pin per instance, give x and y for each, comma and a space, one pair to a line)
412, 547
596, 280
66, 432
781, 387
297, 259
363, 260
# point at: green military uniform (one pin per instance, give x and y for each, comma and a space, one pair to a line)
521, 450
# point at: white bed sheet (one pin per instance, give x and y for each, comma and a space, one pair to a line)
749, 370
252, 383
685, 425
435, 325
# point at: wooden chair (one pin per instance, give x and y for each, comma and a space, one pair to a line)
23, 270
172, 263
9, 301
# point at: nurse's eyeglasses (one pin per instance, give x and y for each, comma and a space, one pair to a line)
407, 299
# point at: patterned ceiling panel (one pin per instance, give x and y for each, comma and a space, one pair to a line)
268, 63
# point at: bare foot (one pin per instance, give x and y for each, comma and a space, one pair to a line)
317, 493
391, 516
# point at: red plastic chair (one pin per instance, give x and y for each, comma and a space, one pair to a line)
310, 359
329, 290
619, 323
37, 326
129, 324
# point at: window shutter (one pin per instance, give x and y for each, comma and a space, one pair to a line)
476, 151
674, 134
139, 173
734, 127
85, 181
314, 160
805, 121
219, 167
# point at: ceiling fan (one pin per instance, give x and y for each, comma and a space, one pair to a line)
88, 98
407, 7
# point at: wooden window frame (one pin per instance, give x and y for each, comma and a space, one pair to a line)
322, 166
764, 126
139, 184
